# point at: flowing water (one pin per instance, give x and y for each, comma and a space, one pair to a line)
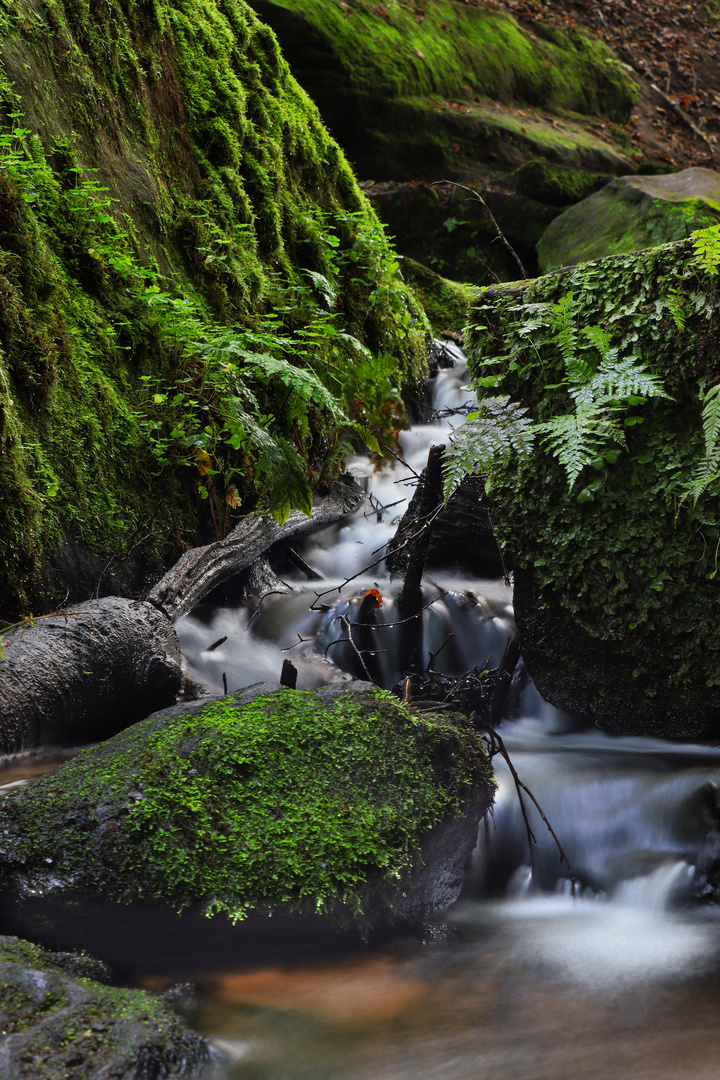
521, 980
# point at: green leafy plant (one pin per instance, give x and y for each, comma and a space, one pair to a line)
598, 384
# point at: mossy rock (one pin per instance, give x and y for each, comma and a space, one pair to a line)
554, 184
396, 84
165, 183
631, 213
58, 1021
446, 302
337, 804
616, 586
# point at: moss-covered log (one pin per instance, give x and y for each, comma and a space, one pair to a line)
616, 577
193, 290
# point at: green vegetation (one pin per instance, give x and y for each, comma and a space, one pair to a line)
393, 50
286, 800
630, 564
195, 293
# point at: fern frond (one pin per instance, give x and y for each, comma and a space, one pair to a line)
707, 249
708, 469
576, 439
618, 380
487, 440
676, 307
562, 320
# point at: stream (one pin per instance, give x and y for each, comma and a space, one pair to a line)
520, 979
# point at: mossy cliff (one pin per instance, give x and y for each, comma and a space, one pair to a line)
193, 290
616, 581
304, 801
404, 87
59, 1021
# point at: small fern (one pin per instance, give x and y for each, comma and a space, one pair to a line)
577, 439
708, 470
707, 249
489, 438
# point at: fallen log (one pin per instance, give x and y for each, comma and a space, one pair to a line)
202, 569
83, 674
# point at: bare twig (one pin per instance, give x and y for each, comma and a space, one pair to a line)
501, 236
499, 747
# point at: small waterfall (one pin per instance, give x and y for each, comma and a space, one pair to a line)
467, 623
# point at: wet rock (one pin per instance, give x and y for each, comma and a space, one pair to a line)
332, 811
57, 1020
631, 213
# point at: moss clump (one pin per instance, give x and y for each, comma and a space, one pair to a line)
172, 214
619, 581
446, 302
399, 87
555, 185
75, 1027
288, 799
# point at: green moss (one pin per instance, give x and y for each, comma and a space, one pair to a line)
446, 302
448, 50
555, 185
282, 800
623, 217
624, 569
170, 184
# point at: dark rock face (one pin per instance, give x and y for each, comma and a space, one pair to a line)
462, 536
86, 673
57, 1023
329, 812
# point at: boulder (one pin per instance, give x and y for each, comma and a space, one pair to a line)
84, 673
631, 213
616, 586
58, 1020
406, 91
338, 810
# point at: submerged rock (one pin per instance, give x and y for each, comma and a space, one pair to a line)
58, 1021
630, 213
337, 805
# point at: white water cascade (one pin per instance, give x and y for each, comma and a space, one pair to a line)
467, 622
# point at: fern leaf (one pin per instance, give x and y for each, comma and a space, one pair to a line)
562, 320
707, 470
618, 380
487, 440
707, 249
676, 307
576, 439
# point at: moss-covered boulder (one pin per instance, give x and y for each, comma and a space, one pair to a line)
616, 576
58, 1021
446, 302
631, 213
336, 804
192, 289
405, 89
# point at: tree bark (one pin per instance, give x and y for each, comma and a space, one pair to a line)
201, 569
83, 674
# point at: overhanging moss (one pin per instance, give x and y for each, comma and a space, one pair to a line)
218, 194
288, 799
617, 586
